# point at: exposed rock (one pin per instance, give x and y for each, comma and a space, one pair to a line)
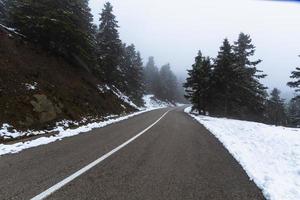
46, 110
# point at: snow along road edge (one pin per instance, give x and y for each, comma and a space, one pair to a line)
20, 146
269, 155
67, 180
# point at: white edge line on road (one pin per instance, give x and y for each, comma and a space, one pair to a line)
67, 180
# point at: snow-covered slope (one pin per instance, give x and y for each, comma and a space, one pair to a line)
151, 102
270, 155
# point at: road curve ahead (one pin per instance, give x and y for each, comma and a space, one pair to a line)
175, 158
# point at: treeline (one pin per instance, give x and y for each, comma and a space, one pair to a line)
162, 82
65, 28
229, 86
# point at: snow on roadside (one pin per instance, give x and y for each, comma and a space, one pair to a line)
270, 155
124, 98
152, 102
63, 130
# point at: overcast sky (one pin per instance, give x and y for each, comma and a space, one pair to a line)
174, 30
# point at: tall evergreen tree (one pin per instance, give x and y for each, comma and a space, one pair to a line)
198, 84
109, 47
296, 80
276, 109
151, 75
252, 94
132, 66
168, 84
62, 26
224, 80
293, 112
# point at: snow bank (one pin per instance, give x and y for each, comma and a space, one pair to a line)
63, 130
152, 102
270, 155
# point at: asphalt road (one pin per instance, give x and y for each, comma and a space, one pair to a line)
177, 158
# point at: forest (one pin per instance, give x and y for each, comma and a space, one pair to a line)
65, 29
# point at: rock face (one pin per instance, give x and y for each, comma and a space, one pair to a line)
46, 109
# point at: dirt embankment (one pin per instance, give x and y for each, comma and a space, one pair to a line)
38, 88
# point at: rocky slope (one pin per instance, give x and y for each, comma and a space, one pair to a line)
38, 89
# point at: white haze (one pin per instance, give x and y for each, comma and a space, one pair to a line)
173, 31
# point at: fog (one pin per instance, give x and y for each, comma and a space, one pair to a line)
173, 31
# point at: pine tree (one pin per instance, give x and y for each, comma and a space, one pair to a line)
294, 105
132, 66
139, 85
198, 84
275, 109
62, 26
251, 93
109, 47
151, 75
224, 80
293, 112
168, 84
296, 83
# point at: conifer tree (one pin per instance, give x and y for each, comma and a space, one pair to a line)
151, 75
62, 26
168, 84
132, 66
296, 80
293, 112
198, 84
252, 94
224, 80
109, 47
275, 109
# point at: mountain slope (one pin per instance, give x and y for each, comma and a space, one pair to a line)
38, 89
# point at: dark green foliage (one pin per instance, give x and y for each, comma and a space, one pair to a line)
275, 109
294, 105
224, 81
293, 112
3, 11
252, 94
231, 86
295, 84
162, 83
62, 26
109, 47
132, 67
198, 84
296, 77
168, 84
151, 74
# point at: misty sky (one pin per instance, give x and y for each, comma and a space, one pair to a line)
173, 31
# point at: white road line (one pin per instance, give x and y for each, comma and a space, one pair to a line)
67, 180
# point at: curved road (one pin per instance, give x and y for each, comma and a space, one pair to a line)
177, 158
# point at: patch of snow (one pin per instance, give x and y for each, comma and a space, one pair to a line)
31, 86
270, 155
124, 98
7, 131
151, 102
12, 30
103, 88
